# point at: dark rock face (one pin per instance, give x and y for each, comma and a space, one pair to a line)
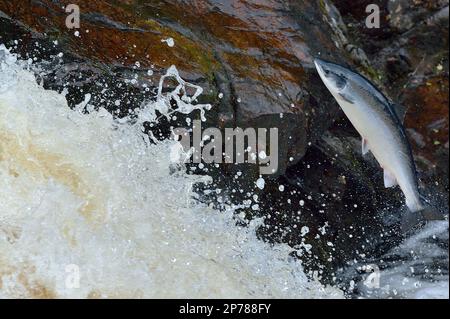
259, 54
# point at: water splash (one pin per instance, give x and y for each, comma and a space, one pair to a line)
85, 192
185, 103
417, 268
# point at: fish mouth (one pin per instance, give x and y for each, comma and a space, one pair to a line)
320, 67
318, 63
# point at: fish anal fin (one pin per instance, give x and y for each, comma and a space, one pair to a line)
365, 146
389, 179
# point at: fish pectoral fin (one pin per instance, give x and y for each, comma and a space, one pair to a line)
365, 146
346, 98
389, 179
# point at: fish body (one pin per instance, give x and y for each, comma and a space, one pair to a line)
381, 130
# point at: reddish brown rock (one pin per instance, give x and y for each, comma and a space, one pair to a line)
257, 53
428, 120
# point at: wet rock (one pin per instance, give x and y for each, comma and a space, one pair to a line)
404, 15
258, 54
338, 195
428, 117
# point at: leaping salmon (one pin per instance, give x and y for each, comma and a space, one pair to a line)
374, 117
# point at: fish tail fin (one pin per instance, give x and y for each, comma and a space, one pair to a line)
420, 212
415, 204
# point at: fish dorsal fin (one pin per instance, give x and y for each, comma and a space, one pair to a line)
365, 146
399, 110
389, 179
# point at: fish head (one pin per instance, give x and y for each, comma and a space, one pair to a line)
334, 76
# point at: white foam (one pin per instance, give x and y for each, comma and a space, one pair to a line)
170, 42
405, 277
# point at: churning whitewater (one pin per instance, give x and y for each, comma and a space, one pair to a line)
82, 194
